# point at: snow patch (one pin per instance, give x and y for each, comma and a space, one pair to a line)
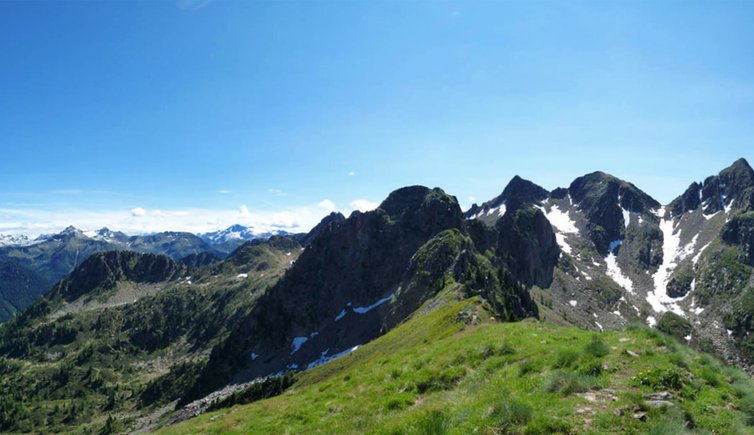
651, 321
699, 254
672, 255
564, 246
254, 356
362, 310
626, 216
710, 216
614, 272
560, 220
614, 245
341, 315
573, 303
599, 326
323, 358
242, 275
562, 224
297, 343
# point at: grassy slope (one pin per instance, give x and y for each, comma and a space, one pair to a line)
435, 375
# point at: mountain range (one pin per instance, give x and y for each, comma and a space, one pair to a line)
135, 340
30, 267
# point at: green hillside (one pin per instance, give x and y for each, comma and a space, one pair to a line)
448, 371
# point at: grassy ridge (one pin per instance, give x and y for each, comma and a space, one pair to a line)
446, 372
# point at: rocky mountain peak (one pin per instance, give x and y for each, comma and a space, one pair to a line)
333, 218
604, 198
423, 209
732, 188
518, 193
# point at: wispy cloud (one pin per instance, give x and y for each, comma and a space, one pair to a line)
351, 174
138, 211
277, 192
224, 191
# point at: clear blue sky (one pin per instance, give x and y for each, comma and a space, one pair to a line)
110, 106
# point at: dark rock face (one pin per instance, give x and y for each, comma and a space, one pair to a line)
352, 264
644, 244
680, 284
333, 218
739, 231
528, 245
517, 194
689, 201
732, 187
104, 270
602, 197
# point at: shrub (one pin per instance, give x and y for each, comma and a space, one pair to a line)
434, 422
710, 376
746, 405
596, 348
565, 359
591, 367
432, 381
511, 413
567, 383
659, 378
526, 366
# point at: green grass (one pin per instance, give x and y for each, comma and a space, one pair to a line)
435, 375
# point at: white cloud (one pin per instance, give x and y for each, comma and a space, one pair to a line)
35, 222
138, 211
277, 192
351, 174
224, 191
327, 205
244, 211
363, 205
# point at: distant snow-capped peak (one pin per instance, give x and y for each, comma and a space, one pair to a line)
14, 240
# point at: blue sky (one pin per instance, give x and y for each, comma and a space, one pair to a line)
196, 114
